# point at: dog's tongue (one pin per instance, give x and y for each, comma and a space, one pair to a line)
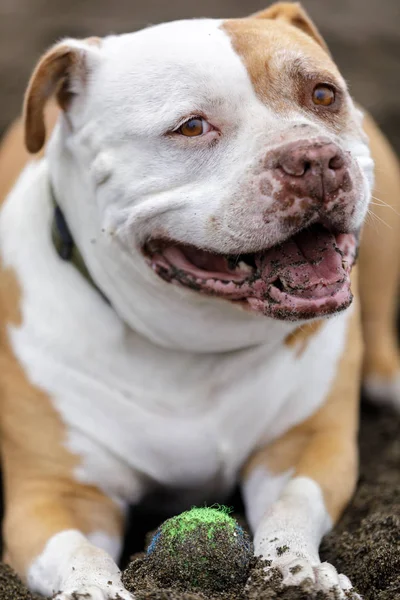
308, 265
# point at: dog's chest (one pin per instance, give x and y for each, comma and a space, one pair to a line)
184, 421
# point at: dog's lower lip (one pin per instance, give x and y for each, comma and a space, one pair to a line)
305, 273
198, 264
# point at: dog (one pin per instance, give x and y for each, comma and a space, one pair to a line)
180, 304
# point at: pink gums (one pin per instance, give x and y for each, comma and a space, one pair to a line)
306, 276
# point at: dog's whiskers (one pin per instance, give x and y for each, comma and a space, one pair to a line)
380, 202
377, 219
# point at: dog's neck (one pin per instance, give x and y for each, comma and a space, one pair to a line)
170, 317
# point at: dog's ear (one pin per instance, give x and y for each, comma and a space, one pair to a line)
62, 71
293, 14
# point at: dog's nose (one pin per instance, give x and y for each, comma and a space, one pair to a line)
317, 168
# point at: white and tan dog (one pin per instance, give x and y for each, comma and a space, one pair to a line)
208, 181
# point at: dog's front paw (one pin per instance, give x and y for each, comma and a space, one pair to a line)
312, 578
107, 591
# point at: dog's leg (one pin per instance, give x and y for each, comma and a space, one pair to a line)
61, 536
379, 276
297, 487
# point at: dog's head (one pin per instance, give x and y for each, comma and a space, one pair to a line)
223, 159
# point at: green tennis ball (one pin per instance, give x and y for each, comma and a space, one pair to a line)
203, 549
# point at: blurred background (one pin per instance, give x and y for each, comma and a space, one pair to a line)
364, 36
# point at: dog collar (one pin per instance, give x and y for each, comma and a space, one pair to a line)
65, 246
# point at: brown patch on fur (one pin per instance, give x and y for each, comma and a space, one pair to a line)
41, 495
94, 41
293, 14
14, 156
324, 447
46, 79
285, 64
52, 77
266, 188
300, 337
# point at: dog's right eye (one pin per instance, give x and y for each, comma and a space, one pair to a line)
194, 127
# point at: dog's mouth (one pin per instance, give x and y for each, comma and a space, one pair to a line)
306, 276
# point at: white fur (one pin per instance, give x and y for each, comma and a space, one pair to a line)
297, 520
165, 387
71, 565
111, 544
260, 490
290, 533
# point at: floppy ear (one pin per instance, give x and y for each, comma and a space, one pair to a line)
293, 14
62, 71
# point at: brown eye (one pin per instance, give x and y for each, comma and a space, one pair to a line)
194, 127
323, 95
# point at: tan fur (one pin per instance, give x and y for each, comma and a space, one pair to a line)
44, 81
13, 153
294, 14
324, 447
380, 261
257, 42
41, 495
51, 77
262, 42
300, 337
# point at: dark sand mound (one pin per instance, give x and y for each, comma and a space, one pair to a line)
365, 545
11, 587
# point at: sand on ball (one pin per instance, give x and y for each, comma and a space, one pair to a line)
203, 549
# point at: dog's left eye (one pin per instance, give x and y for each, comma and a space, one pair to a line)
323, 95
194, 127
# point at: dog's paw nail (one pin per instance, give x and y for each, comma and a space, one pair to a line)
328, 580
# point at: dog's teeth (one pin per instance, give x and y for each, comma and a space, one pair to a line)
242, 266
